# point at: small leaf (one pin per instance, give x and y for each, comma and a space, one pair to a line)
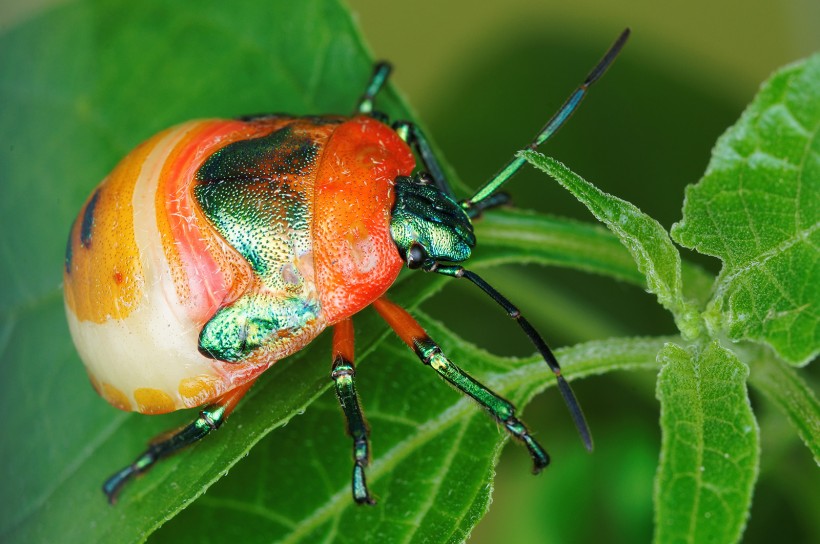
644, 237
709, 450
757, 208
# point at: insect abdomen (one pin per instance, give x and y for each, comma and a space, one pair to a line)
146, 268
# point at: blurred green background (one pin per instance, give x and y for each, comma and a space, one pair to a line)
484, 77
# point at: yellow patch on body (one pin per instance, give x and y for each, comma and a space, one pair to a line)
115, 397
153, 401
197, 390
104, 279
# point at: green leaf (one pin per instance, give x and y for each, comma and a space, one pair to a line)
790, 393
709, 450
429, 453
554, 241
83, 84
757, 209
647, 241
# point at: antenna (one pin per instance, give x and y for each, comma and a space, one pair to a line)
557, 121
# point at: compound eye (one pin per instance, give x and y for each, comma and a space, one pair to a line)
416, 256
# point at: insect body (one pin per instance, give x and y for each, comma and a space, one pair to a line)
219, 247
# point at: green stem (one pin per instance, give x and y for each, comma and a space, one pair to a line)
523, 236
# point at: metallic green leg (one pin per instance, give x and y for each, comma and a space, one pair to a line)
457, 271
502, 410
381, 71
210, 419
433, 172
411, 134
343, 377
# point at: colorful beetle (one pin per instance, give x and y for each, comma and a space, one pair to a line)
218, 247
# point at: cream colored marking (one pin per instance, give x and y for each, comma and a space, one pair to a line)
156, 345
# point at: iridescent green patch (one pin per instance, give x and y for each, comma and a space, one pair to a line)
269, 157
254, 321
248, 191
425, 216
244, 190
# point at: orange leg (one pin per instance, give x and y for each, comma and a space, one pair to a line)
210, 419
343, 375
430, 354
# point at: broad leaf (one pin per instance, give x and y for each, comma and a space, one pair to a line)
644, 237
709, 452
434, 452
757, 209
82, 85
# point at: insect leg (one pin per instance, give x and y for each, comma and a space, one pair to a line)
456, 271
210, 419
381, 71
412, 134
430, 354
343, 377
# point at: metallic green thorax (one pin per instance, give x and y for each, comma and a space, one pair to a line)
425, 216
246, 190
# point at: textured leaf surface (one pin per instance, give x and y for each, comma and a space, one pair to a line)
644, 237
81, 86
429, 453
709, 451
757, 208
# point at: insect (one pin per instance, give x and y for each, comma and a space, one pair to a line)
218, 247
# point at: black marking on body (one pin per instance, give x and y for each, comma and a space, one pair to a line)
69, 249
88, 220
245, 191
